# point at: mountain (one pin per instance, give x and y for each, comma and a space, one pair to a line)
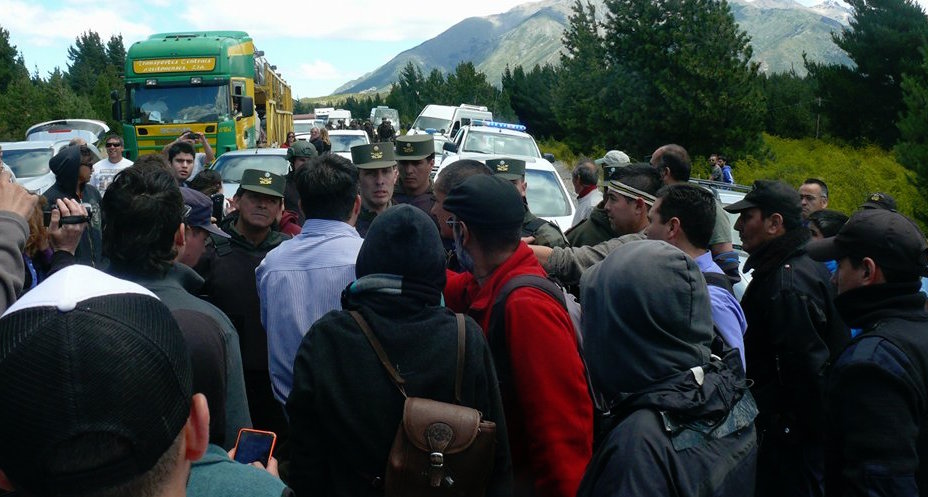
529, 34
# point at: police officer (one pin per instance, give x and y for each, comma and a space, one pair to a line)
228, 268
298, 154
545, 233
596, 228
416, 157
377, 177
385, 131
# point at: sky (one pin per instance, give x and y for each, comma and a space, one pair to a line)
316, 45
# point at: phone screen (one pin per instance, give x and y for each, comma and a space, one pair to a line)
254, 446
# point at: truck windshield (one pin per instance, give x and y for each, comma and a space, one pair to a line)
179, 104
498, 143
436, 123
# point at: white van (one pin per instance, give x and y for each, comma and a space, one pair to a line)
446, 119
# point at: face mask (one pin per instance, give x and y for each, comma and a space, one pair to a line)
464, 259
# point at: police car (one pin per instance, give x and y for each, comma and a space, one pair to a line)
479, 140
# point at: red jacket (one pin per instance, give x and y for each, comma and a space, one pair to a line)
549, 413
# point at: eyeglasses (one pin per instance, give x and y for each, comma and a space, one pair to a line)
113, 145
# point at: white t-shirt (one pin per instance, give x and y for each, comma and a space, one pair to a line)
104, 171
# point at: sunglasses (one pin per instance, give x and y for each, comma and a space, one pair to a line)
112, 145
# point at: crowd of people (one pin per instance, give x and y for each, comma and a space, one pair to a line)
142, 331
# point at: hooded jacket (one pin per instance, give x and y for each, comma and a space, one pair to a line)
344, 409
877, 395
66, 166
683, 419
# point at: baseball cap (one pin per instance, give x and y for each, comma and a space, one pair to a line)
486, 201
201, 211
266, 182
87, 357
879, 200
614, 158
510, 169
887, 237
301, 148
414, 147
775, 196
373, 156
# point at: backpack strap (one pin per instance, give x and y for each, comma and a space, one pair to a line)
459, 374
719, 280
381, 354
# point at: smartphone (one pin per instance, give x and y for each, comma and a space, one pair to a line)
255, 445
219, 203
47, 218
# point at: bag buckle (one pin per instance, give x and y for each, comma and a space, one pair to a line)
436, 469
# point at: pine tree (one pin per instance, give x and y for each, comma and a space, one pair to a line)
883, 40
12, 65
688, 63
912, 149
88, 60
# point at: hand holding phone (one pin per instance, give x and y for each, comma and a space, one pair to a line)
255, 445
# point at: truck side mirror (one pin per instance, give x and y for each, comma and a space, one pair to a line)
248, 106
116, 107
450, 147
548, 157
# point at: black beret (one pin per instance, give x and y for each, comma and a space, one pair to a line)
486, 201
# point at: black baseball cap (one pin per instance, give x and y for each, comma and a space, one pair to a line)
774, 196
887, 237
486, 201
879, 200
84, 357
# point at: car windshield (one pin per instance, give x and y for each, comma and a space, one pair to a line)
302, 127
545, 196
231, 167
28, 163
179, 105
343, 143
500, 144
437, 123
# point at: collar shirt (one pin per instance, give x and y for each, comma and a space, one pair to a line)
726, 311
298, 282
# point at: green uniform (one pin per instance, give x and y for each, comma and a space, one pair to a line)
546, 233
592, 230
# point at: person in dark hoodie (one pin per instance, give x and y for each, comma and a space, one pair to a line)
72, 179
683, 418
344, 409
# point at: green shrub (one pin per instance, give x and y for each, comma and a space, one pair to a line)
850, 172
563, 153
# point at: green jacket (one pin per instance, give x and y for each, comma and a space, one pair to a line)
592, 230
546, 233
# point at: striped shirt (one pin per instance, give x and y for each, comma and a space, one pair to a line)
298, 282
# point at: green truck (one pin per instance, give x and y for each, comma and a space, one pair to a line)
214, 83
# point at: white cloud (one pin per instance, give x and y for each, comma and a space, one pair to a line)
318, 70
367, 20
41, 25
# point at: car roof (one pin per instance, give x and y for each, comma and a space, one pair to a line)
356, 132
502, 131
255, 151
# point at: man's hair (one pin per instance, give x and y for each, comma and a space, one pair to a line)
154, 161
891, 275
113, 136
827, 221
677, 160
94, 449
328, 187
586, 171
429, 157
87, 157
644, 177
143, 209
789, 223
455, 173
181, 148
207, 182
820, 183
694, 206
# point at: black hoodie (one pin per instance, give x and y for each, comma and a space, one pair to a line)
66, 166
683, 419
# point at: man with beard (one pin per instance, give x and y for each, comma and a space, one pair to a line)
377, 177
